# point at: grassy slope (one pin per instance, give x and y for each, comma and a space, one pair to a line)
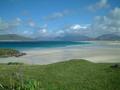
71, 75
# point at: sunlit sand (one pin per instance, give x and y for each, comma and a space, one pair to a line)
95, 54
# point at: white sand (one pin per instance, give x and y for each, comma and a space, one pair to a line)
91, 53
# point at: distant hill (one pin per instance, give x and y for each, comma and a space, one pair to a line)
13, 37
111, 37
66, 38
75, 38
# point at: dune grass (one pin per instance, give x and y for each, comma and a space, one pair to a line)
69, 75
7, 52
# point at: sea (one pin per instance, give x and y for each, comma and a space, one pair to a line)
47, 52
22, 45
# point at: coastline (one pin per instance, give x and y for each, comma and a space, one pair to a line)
91, 53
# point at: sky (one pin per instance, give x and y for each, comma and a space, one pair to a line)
58, 18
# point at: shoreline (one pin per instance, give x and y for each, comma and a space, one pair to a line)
48, 56
97, 52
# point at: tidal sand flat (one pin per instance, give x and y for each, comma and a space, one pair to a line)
98, 52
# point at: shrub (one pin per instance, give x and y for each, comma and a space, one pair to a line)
14, 63
16, 82
8, 52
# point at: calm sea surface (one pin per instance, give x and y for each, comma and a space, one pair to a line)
39, 44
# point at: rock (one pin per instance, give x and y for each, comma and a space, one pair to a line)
19, 54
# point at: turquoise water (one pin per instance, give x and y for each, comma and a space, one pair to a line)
38, 44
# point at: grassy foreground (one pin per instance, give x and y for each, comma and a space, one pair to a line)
69, 75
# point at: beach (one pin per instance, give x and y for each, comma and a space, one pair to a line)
99, 52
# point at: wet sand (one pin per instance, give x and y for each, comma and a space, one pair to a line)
108, 53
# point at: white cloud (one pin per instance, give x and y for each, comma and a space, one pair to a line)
99, 5
60, 32
27, 32
5, 25
31, 24
18, 19
16, 22
101, 25
115, 14
107, 24
77, 27
72, 30
44, 30
57, 15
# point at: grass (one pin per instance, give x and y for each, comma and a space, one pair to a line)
69, 75
14, 63
7, 52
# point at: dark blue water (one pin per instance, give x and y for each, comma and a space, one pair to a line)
38, 44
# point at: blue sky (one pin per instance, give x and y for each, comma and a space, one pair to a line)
45, 18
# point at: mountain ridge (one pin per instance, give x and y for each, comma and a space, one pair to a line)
104, 37
10, 37
109, 37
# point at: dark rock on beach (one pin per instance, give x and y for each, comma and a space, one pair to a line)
19, 54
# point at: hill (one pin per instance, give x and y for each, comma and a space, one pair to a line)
10, 37
69, 75
110, 37
75, 38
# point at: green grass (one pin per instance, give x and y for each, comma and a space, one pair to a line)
69, 75
7, 52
